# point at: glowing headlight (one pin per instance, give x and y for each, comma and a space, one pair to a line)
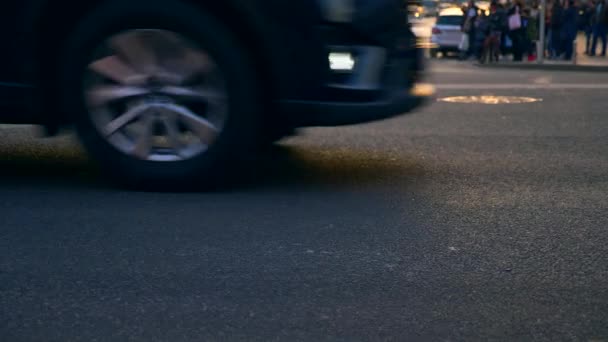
341, 61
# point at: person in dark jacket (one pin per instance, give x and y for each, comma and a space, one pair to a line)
481, 33
495, 28
501, 13
569, 29
587, 19
600, 27
557, 17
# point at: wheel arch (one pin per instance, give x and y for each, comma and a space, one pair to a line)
49, 23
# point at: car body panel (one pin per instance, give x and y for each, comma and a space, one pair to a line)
287, 38
13, 34
450, 36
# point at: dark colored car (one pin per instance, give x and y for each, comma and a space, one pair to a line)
176, 91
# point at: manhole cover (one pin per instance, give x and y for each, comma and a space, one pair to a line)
490, 99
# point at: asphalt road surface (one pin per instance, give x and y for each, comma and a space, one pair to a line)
459, 222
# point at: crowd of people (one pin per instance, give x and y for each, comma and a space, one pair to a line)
513, 29
595, 16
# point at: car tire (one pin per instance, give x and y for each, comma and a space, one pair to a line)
216, 149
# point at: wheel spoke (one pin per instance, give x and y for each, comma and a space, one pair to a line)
143, 143
205, 130
173, 134
188, 63
107, 93
114, 68
197, 94
137, 49
124, 119
197, 61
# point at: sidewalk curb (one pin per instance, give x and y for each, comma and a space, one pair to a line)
546, 66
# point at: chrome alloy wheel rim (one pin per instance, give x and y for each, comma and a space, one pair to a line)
156, 96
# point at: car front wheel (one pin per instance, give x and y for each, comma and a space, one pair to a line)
161, 93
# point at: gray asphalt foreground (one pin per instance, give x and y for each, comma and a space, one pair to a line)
459, 222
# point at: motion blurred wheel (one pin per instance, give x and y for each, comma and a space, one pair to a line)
162, 94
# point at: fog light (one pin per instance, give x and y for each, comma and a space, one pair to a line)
341, 61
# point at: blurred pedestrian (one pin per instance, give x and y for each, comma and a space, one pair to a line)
531, 34
516, 30
587, 19
569, 29
494, 31
548, 31
600, 27
481, 33
501, 13
470, 13
557, 17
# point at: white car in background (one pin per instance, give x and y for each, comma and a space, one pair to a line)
446, 34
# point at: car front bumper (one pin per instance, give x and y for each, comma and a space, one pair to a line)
337, 113
380, 86
386, 66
